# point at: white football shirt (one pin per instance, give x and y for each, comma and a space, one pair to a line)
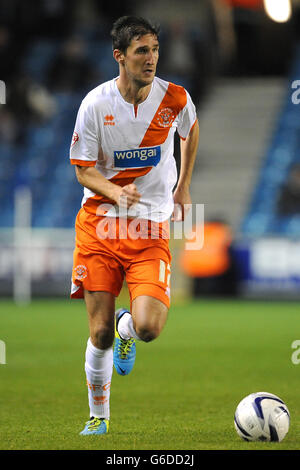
130, 144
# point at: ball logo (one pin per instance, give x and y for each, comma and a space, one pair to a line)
75, 139
80, 272
166, 117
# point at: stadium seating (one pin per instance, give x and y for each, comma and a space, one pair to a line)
262, 218
42, 161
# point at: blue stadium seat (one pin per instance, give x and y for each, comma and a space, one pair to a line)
39, 56
283, 152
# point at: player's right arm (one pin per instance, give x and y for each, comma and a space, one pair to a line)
91, 178
84, 154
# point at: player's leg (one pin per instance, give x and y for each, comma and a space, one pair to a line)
146, 320
97, 277
100, 310
149, 316
148, 282
148, 279
99, 358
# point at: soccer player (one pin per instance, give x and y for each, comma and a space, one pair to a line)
122, 149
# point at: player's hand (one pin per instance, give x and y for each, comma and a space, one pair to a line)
182, 204
128, 196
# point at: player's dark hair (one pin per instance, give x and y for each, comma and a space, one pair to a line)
128, 27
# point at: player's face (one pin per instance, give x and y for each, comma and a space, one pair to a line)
141, 59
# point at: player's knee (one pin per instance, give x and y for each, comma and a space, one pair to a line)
102, 336
148, 333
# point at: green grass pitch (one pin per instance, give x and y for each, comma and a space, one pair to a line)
181, 394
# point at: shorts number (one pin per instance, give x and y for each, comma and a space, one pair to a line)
164, 272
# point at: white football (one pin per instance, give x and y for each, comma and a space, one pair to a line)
262, 416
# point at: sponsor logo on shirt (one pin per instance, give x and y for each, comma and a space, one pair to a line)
137, 157
109, 120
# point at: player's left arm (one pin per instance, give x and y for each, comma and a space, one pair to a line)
188, 153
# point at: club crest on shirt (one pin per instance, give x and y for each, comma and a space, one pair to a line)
80, 272
75, 139
166, 117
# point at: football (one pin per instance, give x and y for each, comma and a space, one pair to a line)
262, 416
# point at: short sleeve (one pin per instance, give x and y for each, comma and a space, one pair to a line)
186, 118
85, 141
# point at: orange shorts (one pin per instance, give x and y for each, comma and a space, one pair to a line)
109, 250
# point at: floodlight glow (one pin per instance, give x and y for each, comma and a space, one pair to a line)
278, 10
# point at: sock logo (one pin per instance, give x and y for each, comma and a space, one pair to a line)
98, 387
100, 400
